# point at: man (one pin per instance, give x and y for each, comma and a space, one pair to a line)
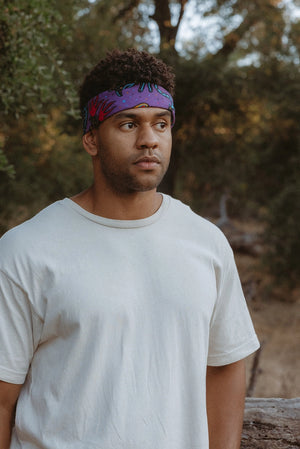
122, 320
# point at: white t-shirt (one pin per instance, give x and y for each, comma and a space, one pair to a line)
111, 324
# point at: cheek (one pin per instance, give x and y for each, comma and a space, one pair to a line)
112, 144
121, 143
115, 155
167, 146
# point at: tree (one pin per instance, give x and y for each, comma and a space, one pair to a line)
236, 127
163, 17
31, 64
245, 29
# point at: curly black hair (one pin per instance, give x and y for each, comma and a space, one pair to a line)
122, 67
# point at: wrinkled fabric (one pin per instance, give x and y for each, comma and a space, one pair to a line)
110, 324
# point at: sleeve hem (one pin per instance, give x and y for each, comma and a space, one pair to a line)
237, 354
12, 377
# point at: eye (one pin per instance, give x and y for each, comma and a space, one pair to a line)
128, 126
161, 126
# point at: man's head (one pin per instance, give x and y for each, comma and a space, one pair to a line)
128, 111
122, 67
147, 80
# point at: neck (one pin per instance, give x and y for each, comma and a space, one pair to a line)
132, 206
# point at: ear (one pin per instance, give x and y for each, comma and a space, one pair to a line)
89, 142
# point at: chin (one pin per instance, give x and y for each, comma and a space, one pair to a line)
146, 185
129, 183
146, 188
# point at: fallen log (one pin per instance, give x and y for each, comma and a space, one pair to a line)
271, 424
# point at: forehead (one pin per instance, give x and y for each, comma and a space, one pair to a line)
141, 113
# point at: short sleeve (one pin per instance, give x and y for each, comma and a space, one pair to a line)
232, 336
18, 331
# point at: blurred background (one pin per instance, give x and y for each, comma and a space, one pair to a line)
236, 142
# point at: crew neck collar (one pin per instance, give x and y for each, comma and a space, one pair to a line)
112, 223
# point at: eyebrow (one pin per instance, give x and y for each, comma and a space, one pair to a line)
133, 115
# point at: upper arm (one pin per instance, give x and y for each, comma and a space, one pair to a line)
9, 394
225, 388
231, 334
20, 330
229, 378
231, 372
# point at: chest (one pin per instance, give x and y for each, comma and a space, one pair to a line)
129, 280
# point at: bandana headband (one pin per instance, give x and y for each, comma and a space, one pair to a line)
130, 96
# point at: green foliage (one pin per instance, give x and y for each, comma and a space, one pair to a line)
242, 134
32, 67
97, 31
5, 166
282, 234
33, 34
237, 125
56, 166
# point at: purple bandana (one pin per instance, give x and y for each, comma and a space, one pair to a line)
132, 95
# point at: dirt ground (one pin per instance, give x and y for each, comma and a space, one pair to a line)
278, 369
274, 371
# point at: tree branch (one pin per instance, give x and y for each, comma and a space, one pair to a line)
182, 7
168, 32
232, 39
258, 11
124, 11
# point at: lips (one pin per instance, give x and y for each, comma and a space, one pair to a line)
147, 162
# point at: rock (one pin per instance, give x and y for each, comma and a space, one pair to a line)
271, 424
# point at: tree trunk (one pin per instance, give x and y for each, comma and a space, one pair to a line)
167, 31
271, 424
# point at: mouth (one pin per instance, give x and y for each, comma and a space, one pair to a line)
147, 162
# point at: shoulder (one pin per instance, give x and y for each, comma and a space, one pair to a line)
27, 237
195, 227
39, 221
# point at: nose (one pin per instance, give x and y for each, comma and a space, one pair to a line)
146, 138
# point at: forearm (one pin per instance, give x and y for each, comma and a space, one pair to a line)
225, 390
8, 398
6, 423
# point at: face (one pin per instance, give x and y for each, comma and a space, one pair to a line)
133, 149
